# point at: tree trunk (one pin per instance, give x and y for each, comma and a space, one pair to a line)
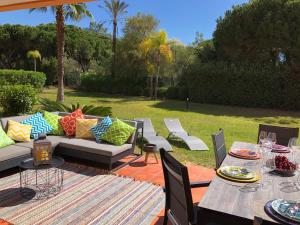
114, 48
151, 87
60, 42
34, 60
156, 77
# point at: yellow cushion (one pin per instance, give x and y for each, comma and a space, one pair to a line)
83, 127
18, 131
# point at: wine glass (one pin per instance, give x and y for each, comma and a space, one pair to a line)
272, 138
262, 137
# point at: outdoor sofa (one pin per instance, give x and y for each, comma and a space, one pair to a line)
103, 153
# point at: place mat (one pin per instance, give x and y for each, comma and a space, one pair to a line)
275, 216
219, 173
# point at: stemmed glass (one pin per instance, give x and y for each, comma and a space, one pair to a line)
263, 137
271, 138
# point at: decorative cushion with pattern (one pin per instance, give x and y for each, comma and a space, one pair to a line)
18, 131
68, 122
118, 133
101, 128
53, 120
83, 127
39, 125
4, 139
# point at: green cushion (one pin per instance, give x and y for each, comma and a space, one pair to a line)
53, 121
118, 133
4, 139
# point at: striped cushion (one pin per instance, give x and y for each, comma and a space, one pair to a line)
4, 139
39, 125
53, 120
83, 127
18, 131
69, 122
101, 128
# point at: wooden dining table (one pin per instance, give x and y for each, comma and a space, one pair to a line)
232, 203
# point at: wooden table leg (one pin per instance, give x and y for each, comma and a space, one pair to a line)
155, 157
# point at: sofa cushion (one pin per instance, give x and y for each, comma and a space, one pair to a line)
39, 125
69, 122
94, 147
13, 151
4, 139
101, 128
118, 133
18, 131
4, 121
55, 140
84, 126
53, 120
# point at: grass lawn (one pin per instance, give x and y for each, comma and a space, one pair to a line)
239, 124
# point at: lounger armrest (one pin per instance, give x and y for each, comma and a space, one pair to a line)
200, 184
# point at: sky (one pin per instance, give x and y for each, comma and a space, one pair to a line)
180, 18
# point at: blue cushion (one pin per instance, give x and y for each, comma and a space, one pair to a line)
39, 125
101, 128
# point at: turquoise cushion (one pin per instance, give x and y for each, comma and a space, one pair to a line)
101, 128
39, 125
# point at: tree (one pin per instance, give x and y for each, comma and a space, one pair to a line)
116, 8
261, 31
62, 12
158, 51
34, 54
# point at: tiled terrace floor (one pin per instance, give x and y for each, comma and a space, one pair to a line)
152, 172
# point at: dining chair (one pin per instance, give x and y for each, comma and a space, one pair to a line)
179, 208
219, 147
283, 134
260, 221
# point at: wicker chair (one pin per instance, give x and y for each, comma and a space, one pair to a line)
219, 147
283, 134
179, 207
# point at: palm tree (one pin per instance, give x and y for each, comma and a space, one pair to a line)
116, 8
34, 54
64, 12
157, 50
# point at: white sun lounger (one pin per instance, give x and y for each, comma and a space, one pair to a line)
151, 136
176, 131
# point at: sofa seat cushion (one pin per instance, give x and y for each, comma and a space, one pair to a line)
55, 140
13, 151
93, 147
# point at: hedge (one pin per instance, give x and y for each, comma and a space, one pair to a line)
13, 77
118, 85
244, 85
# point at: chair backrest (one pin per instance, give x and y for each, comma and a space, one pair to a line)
260, 221
283, 134
148, 127
179, 203
219, 147
174, 125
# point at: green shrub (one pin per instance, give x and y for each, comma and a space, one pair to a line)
17, 99
127, 85
172, 93
49, 67
51, 106
162, 92
248, 85
13, 77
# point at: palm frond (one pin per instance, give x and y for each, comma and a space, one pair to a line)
53, 106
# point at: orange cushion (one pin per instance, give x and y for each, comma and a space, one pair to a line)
68, 122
